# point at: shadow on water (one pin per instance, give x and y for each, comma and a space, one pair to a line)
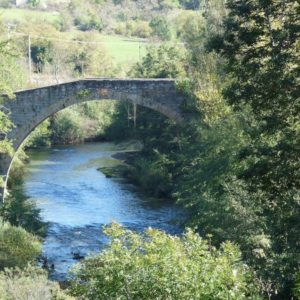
77, 200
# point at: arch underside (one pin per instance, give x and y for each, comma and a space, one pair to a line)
31, 107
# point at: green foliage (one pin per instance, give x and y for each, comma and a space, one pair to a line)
154, 170
79, 123
89, 22
230, 168
17, 246
41, 53
40, 137
155, 265
90, 59
151, 175
31, 283
66, 128
161, 28
237, 165
218, 200
10, 78
138, 28
262, 60
165, 61
18, 210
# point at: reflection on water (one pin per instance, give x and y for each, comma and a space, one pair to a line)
78, 200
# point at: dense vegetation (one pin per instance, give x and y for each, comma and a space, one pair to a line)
235, 166
158, 266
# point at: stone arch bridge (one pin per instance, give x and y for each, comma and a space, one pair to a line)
32, 106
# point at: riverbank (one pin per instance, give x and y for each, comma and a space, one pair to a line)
122, 170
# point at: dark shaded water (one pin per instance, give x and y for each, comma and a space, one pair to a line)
77, 200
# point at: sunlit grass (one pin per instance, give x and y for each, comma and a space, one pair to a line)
124, 51
18, 14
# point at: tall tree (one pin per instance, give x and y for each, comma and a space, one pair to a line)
261, 46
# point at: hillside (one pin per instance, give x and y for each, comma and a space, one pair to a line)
70, 39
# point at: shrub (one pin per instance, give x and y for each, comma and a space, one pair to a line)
29, 284
155, 265
161, 28
17, 246
66, 127
89, 22
40, 137
41, 53
142, 29
151, 175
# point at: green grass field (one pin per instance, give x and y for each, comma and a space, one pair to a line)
19, 15
123, 50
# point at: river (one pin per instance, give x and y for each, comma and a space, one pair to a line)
77, 200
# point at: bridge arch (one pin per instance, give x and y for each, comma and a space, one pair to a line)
32, 106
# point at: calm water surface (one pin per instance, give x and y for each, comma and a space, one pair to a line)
77, 200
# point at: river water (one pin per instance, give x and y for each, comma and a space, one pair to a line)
77, 200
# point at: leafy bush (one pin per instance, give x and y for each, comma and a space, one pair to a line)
151, 174
89, 22
155, 265
161, 28
165, 61
41, 53
17, 246
40, 137
142, 29
29, 284
66, 127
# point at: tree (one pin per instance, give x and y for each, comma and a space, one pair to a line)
161, 28
41, 53
261, 47
164, 61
